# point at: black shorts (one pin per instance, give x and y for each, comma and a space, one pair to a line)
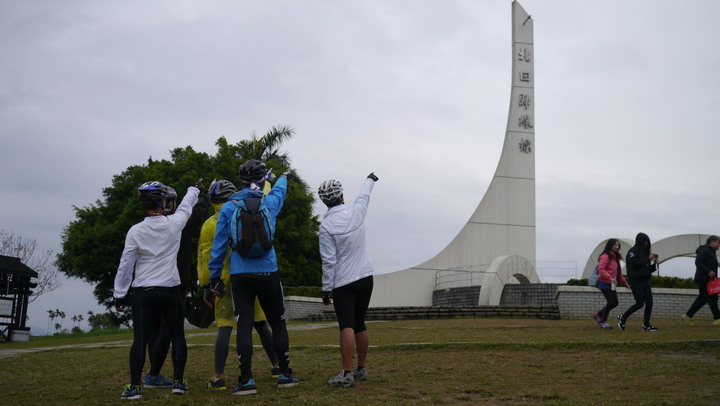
351, 303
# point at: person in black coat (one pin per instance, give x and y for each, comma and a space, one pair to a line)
641, 263
706, 265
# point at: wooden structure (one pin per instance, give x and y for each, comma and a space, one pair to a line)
15, 289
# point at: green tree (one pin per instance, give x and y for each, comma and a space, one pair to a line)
93, 242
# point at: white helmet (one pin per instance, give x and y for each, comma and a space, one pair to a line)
330, 191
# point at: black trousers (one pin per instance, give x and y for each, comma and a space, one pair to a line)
642, 292
151, 307
267, 288
611, 302
702, 299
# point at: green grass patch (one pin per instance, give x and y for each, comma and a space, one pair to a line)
411, 362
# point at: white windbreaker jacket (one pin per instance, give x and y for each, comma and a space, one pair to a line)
151, 249
342, 242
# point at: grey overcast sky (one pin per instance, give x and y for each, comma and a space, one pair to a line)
626, 103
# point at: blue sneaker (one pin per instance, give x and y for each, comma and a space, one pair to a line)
287, 380
179, 387
247, 388
130, 392
151, 382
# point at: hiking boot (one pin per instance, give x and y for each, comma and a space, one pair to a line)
597, 318
152, 382
649, 327
274, 373
247, 388
131, 392
605, 325
360, 373
716, 322
342, 381
621, 323
179, 387
216, 383
688, 320
287, 380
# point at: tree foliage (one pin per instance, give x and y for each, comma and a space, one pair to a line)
18, 246
93, 242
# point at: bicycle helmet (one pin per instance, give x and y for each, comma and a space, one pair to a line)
170, 200
252, 171
151, 194
330, 191
221, 190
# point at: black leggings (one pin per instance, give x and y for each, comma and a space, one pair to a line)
268, 289
152, 306
611, 299
351, 303
642, 292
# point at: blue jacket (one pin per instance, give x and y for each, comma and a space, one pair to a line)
267, 263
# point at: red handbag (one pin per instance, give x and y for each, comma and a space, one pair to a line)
713, 287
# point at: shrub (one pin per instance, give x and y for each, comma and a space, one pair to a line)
656, 282
309, 291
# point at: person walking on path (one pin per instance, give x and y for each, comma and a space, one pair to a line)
641, 263
609, 275
220, 192
347, 273
150, 253
252, 277
706, 266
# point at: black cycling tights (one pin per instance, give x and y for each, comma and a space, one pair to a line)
268, 289
150, 307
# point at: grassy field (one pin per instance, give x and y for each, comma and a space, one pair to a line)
414, 362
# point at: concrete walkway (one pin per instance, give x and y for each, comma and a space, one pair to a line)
13, 352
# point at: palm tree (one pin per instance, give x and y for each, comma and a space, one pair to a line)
266, 148
51, 315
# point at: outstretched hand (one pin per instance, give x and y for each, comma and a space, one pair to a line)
373, 177
200, 185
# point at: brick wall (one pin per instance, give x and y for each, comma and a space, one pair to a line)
535, 294
463, 296
301, 308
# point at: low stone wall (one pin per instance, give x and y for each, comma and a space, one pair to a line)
301, 307
547, 301
580, 302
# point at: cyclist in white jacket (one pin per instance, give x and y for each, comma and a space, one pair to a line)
347, 273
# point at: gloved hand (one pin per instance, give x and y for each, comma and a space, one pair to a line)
373, 177
200, 185
120, 304
326, 298
270, 176
217, 286
208, 296
289, 174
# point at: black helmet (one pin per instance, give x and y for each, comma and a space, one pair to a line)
151, 194
170, 198
252, 171
221, 190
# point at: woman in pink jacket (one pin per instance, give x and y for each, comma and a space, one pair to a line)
610, 275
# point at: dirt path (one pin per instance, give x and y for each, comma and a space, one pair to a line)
13, 352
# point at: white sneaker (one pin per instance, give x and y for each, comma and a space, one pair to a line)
360, 374
341, 380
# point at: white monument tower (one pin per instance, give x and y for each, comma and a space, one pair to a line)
497, 244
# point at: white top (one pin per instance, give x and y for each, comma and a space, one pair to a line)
151, 248
342, 242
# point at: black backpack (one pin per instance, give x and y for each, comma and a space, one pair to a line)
252, 229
